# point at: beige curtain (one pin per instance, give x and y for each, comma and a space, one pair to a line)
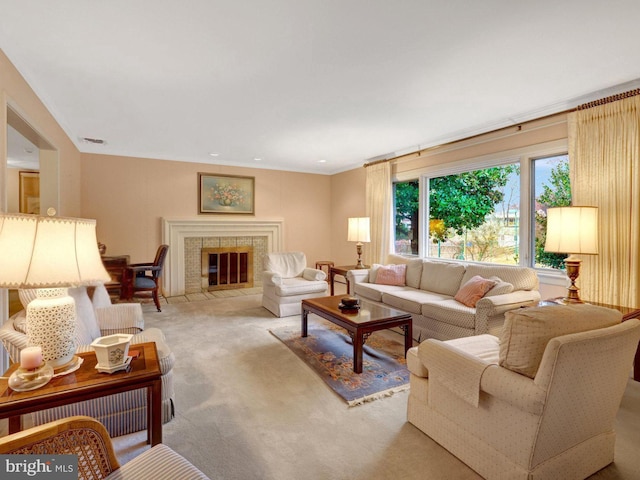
604, 155
378, 207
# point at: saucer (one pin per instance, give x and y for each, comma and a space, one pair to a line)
115, 368
68, 368
342, 306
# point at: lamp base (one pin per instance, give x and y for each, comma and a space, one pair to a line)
572, 264
51, 324
360, 265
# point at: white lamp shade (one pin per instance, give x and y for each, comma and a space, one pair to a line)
359, 230
45, 252
572, 230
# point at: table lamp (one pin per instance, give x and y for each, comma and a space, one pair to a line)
49, 254
572, 230
359, 232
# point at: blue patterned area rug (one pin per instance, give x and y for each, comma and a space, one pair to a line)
329, 352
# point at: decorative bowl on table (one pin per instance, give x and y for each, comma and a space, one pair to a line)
112, 352
349, 303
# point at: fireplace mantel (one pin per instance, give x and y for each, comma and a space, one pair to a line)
175, 230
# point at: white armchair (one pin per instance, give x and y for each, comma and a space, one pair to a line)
286, 281
540, 402
121, 413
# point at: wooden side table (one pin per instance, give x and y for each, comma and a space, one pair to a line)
627, 314
342, 271
324, 265
87, 383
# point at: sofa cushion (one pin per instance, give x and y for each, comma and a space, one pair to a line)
372, 291
391, 275
450, 311
414, 268
500, 288
410, 299
373, 272
299, 286
527, 331
414, 272
522, 278
441, 277
473, 290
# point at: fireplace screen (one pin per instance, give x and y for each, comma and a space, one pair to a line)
227, 267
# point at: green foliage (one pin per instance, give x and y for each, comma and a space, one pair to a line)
463, 201
557, 194
407, 198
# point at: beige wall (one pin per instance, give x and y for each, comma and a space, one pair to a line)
347, 200
15, 91
536, 132
129, 197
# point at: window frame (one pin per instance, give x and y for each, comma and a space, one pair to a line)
524, 157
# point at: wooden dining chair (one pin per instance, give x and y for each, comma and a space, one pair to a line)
145, 277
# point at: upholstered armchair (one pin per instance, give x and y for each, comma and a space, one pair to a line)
539, 402
87, 439
121, 413
286, 281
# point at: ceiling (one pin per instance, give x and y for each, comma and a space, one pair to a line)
311, 85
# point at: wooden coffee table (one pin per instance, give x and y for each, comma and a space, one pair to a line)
86, 383
360, 324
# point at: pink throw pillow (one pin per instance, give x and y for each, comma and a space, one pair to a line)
391, 275
474, 290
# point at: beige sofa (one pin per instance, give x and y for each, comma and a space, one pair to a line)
429, 290
538, 402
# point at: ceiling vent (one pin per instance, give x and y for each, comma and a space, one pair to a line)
95, 141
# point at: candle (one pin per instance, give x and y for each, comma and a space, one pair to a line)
31, 357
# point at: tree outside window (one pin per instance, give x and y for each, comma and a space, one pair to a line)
475, 215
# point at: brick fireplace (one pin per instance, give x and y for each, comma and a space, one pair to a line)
188, 237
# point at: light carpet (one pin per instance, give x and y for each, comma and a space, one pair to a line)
248, 408
328, 351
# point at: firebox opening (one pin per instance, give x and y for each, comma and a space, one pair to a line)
227, 268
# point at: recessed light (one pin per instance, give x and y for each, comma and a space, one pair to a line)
213, 154
257, 159
322, 161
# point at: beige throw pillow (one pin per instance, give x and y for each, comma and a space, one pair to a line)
527, 331
500, 288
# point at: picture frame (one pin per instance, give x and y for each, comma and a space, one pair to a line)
29, 192
226, 194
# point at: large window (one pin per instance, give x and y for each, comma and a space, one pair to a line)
494, 214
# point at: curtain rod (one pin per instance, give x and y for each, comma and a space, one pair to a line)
376, 162
584, 106
612, 98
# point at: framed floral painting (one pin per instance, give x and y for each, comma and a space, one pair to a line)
226, 194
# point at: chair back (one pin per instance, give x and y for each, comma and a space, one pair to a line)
287, 264
78, 435
586, 374
161, 255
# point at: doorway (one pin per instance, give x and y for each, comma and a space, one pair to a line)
29, 177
